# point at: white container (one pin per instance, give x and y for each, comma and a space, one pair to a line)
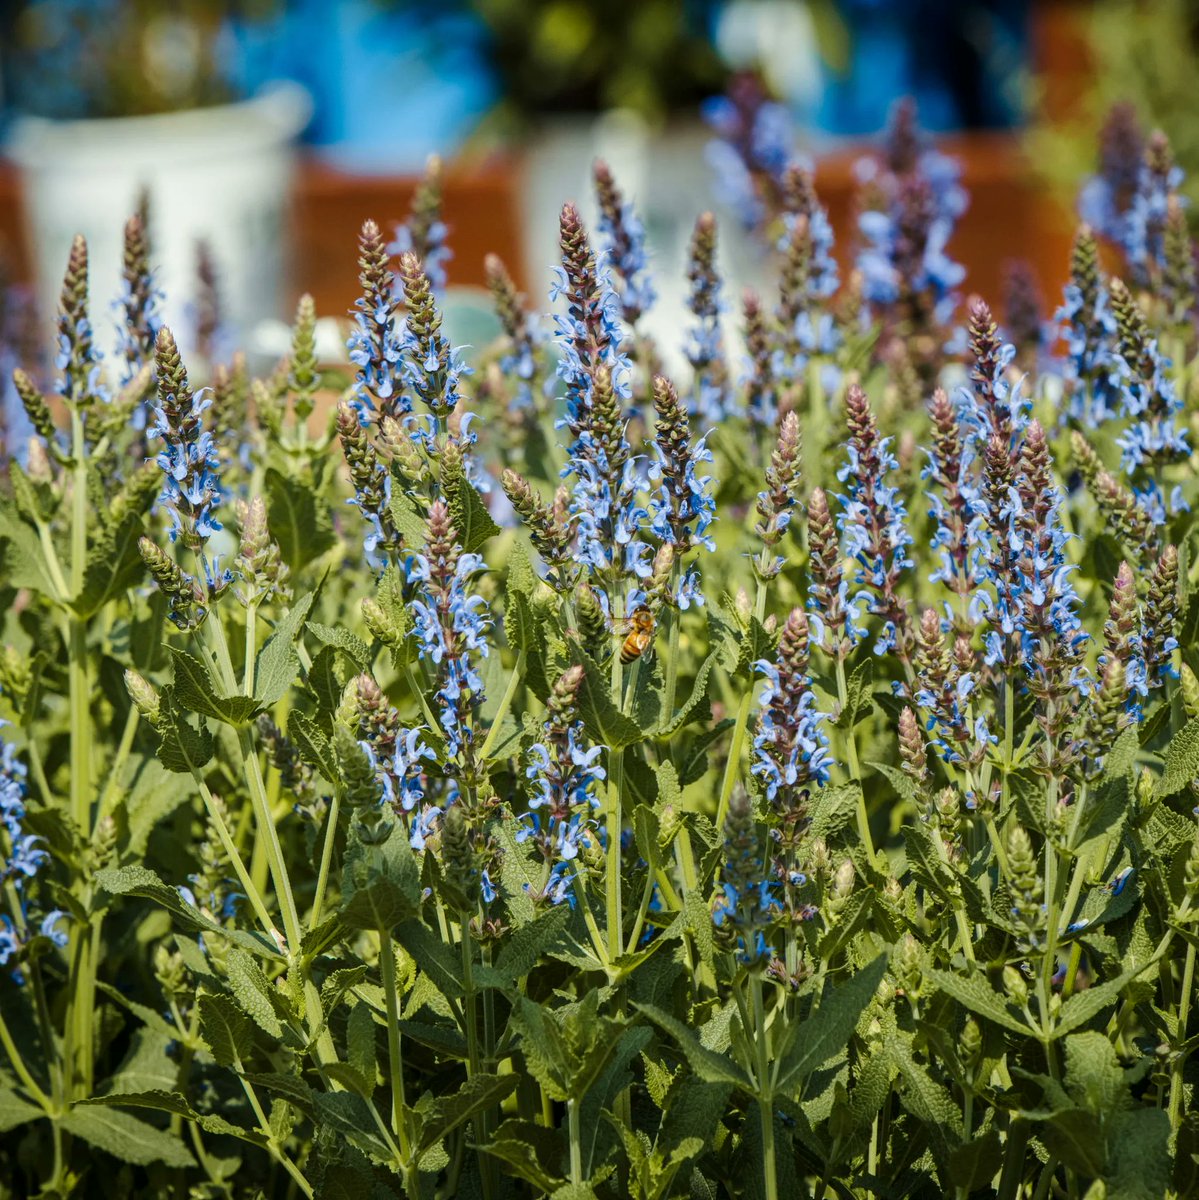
222, 174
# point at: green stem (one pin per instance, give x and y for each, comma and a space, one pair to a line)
322, 880
576, 1143
388, 964
672, 652
18, 1063
1184, 1012
505, 705
765, 1097
114, 772
855, 770
613, 901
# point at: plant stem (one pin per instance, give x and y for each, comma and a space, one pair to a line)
1184, 1012
612, 890
18, 1063
322, 880
387, 962
576, 1143
765, 1096
855, 771
509, 695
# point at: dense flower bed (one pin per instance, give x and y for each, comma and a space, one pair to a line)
545, 777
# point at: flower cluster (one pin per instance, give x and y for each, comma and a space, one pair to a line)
450, 625
710, 396
139, 304
563, 773
682, 508
623, 246
1154, 438
873, 523
376, 340
425, 233
790, 749
753, 147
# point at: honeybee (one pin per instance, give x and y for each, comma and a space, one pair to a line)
640, 635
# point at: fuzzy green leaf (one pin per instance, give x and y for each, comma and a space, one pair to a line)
1181, 761
126, 1138
976, 994
278, 662
252, 991
196, 691
470, 516
707, 1064
15, 1110
225, 1029
22, 564
697, 698
302, 530
342, 639
605, 723
1082, 1006
445, 1113
829, 1029
113, 564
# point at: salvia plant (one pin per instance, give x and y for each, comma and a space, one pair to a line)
528, 772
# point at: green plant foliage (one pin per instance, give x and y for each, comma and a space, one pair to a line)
518, 795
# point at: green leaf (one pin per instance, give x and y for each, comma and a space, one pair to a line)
445, 1113
1094, 1076
252, 991
381, 885
524, 948
531, 1151
15, 1110
278, 662
976, 994
22, 564
829, 1029
927, 1100
903, 783
225, 1029
1082, 1006
1140, 1142
859, 697
408, 522
113, 564
604, 722
1181, 761
342, 639
360, 1044
182, 747
312, 745
126, 1138
707, 1064
1121, 758
195, 690
521, 576
975, 1163
698, 696
432, 956
1076, 1137
522, 623
141, 881
470, 516
301, 528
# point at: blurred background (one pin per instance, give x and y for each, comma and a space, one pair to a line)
265, 131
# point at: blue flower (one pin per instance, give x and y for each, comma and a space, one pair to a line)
18, 868
790, 748
873, 521
450, 625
